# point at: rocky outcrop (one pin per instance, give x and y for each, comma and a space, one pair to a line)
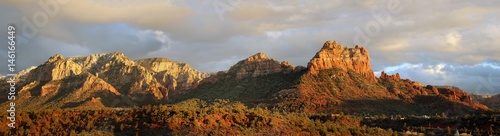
145, 81
102, 62
56, 68
405, 87
259, 65
433, 89
254, 66
384, 75
178, 76
333, 55
454, 93
128, 77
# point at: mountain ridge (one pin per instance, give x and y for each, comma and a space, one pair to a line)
337, 79
129, 81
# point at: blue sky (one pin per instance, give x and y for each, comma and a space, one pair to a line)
441, 42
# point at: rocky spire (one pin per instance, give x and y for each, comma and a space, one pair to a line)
384, 75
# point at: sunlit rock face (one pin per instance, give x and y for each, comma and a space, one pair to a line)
335, 55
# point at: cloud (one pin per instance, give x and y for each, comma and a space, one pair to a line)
453, 39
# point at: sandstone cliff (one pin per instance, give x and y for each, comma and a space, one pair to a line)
178, 76
333, 55
56, 68
129, 82
399, 86
66, 93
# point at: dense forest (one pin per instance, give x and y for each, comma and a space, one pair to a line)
224, 117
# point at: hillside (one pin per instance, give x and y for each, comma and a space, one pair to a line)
252, 81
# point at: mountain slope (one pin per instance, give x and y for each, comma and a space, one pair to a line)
337, 79
333, 55
252, 81
340, 79
111, 79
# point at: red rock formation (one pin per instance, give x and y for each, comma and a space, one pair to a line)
176, 75
56, 68
397, 85
384, 75
433, 89
454, 93
335, 55
259, 65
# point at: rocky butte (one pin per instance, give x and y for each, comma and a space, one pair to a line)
335, 55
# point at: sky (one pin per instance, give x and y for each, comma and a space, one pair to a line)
441, 42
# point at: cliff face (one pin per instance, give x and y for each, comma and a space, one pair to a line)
333, 55
399, 86
138, 82
67, 93
340, 79
454, 93
178, 76
57, 67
